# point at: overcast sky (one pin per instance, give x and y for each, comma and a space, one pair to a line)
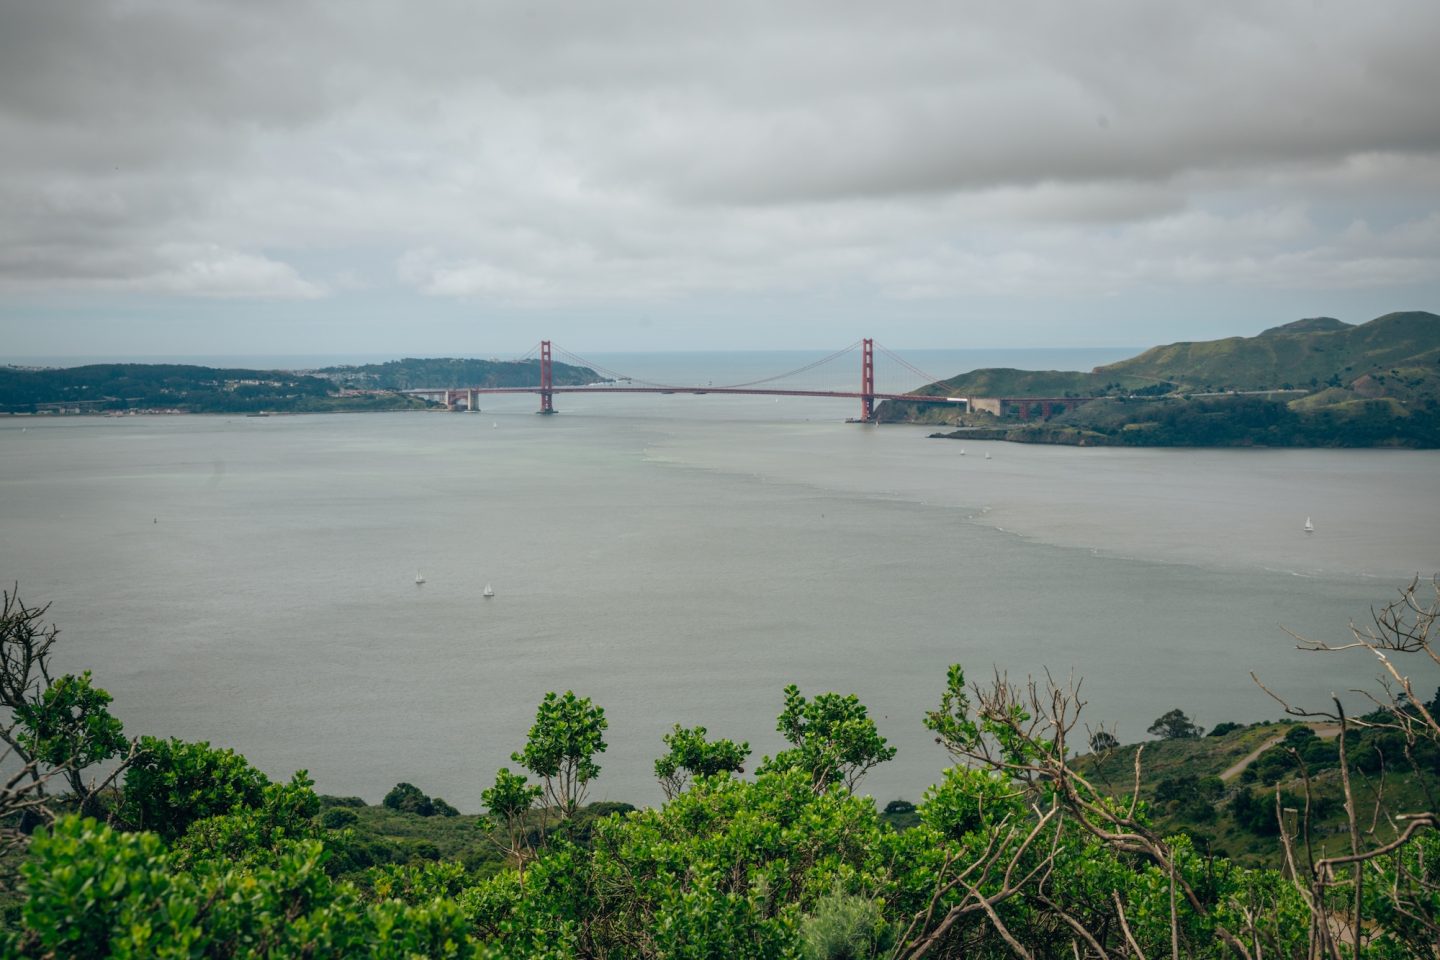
258, 177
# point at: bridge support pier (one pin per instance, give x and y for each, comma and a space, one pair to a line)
867, 380
547, 402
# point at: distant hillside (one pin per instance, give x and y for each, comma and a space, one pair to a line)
1399, 352
1314, 382
116, 387
412, 374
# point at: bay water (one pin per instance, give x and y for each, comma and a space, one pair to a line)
251, 581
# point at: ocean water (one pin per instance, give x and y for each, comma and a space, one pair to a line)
250, 581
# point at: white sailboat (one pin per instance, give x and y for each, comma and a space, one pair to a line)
1309, 527
419, 577
488, 592
962, 451
987, 454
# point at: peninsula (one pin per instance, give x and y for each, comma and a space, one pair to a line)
118, 388
1317, 382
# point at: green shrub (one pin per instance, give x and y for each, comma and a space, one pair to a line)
173, 783
408, 798
338, 818
843, 927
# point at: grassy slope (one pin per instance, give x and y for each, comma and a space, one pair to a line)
1398, 347
1373, 384
1210, 756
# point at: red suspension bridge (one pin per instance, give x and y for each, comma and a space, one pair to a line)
867, 393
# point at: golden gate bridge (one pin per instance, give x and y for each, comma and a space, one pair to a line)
867, 392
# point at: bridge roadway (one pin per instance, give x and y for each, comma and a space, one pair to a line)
447, 392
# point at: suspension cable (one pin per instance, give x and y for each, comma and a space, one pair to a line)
799, 370
614, 375
927, 378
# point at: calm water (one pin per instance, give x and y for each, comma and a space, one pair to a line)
250, 581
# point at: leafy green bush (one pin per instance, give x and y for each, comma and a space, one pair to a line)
95, 892
173, 783
408, 798
843, 926
338, 818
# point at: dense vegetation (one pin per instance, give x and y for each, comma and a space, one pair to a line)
1021, 848
112, 387
411, 373
1316, 382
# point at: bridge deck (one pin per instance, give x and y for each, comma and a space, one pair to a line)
738, 391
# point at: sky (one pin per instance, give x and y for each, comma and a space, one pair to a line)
462, 177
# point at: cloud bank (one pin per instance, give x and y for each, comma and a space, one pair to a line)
659, 156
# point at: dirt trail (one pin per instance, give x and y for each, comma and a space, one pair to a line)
1324, 730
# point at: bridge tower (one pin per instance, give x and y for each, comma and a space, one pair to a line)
547, 404
867, 380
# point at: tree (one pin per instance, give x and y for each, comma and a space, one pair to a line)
1174, 725
567, 734
835, 741
507, 803
1404, 897
1103, 741
408, 798
56, 726
691, 755
173, 783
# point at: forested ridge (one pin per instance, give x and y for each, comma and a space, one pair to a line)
119, 387
1046, 838
412, 373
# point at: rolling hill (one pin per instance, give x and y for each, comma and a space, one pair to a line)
1313, 382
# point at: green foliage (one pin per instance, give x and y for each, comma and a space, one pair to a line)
965, 735
567, 734
408, 798
834, 740
419, 883
1220, 729
511, 797
1174, 725
722, 870
790, 865
68, 724
338, 818
691, 755
508, 803
286, 813
173, 783
967, 801
450, 372
95, 892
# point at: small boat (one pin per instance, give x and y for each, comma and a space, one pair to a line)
419, 577
987, 455
488, 592
962, 451
1309, 527
494, 426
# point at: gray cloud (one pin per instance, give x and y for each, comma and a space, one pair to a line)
543, 155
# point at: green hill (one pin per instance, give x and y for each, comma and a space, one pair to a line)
1220, 789
1313, 382
1399, 353
411, 374
118, 387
